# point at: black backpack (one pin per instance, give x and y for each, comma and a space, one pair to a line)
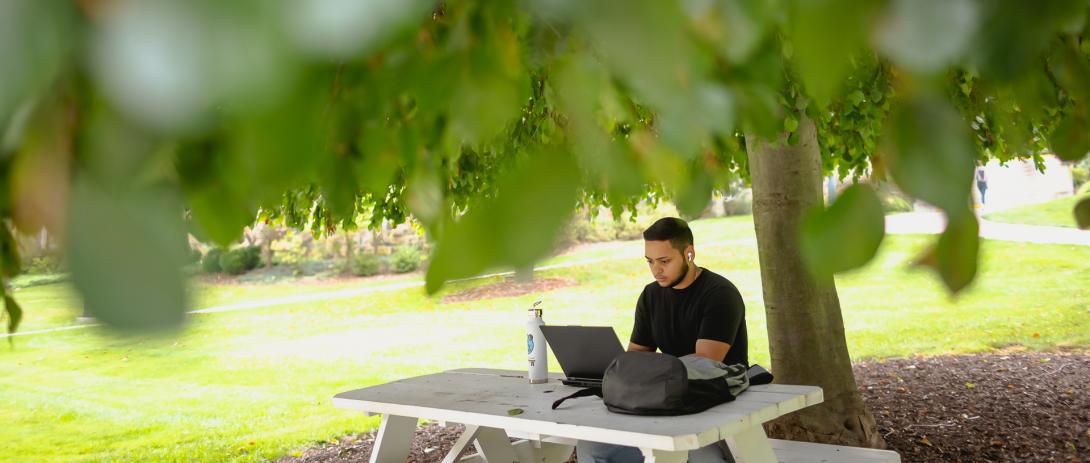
647, 383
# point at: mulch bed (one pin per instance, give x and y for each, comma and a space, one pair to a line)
509, 287
1016, 407
1009, 407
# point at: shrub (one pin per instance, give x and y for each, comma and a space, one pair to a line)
1080, 174
365, 265
405, 259
43, 264
211, 261
240, 260
739, 204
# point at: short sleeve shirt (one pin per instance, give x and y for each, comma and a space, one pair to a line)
671, 320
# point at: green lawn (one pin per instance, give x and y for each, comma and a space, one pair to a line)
253, 385
1056, 213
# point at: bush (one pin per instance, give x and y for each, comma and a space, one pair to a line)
365, 265
739, 204
405, 259
1084, 189
1080, 174
240, 260
194, 256
43, 265
211, 261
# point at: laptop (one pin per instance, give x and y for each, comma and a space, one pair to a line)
584, 352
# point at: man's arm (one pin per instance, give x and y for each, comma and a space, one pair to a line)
633, 347
707, 348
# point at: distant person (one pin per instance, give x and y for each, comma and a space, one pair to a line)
687, 310
981, 183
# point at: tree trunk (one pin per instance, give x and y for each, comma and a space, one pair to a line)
805, 328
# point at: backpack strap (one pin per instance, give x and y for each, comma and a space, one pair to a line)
595, 391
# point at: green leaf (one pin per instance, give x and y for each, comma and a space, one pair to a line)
931, 156
339, 187
790, 123
856, 98
514, 229
927, 35
1082, 213
424, 195
736, 27
493, 87
1014, 33
9, 252
1071, 138
824, 35
126, 251
697, 192
955, 255
221, 215
846, 235
514, 411
15, 313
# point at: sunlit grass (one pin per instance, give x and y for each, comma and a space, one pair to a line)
1056, 213
253, 385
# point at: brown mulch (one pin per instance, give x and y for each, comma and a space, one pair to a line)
1016, 407
508, 288
1011, 407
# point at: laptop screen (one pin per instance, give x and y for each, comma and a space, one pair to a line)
583, 351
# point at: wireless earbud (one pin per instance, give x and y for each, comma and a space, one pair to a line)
690, 257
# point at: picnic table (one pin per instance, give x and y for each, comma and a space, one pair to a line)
497, 405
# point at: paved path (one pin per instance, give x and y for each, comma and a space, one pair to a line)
934, 222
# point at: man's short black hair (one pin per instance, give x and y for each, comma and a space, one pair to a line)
671, 229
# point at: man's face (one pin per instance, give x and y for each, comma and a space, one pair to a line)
667, 264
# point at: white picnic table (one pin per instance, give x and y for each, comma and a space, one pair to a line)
496, 405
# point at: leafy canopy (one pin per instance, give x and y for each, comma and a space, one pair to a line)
488, 121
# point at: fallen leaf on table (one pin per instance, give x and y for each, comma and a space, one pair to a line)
514, 411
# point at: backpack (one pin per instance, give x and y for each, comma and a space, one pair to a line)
648, 383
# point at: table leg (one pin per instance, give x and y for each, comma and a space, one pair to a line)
527, 451
395, 436
664, 456
752, 446
494, 445
460, 445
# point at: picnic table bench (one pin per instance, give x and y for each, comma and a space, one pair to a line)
497, 405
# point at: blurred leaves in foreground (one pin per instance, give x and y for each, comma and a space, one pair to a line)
125, 123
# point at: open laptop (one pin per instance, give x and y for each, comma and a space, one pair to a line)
584, 352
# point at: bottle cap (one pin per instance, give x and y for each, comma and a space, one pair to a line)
535, 313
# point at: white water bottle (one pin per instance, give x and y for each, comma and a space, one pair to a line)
535, 347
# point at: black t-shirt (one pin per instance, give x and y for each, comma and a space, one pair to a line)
671, 320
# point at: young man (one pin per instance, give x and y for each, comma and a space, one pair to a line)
687, 309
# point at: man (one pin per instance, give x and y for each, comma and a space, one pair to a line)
982, 183
687, 310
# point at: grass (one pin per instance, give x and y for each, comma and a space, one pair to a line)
253, 385
1056, 213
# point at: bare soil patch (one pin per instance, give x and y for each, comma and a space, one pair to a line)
508, 288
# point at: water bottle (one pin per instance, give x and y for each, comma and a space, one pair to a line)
536, 348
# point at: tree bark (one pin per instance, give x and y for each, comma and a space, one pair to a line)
805, 327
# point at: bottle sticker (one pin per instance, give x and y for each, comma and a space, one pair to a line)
529, 343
